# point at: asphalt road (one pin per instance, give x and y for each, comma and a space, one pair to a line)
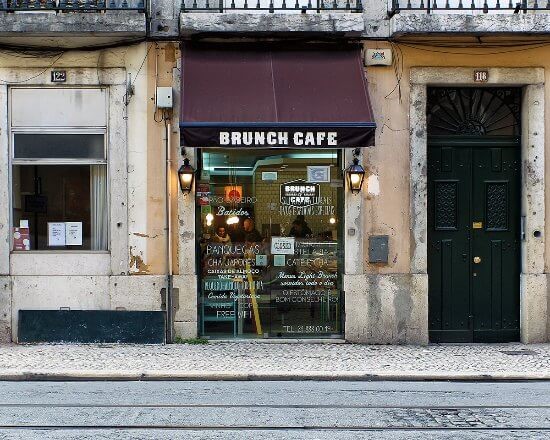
274, 410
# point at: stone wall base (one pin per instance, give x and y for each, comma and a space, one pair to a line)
386, 309
380, 309
534, 308
94, 292
5, 309
185, 303
185, 329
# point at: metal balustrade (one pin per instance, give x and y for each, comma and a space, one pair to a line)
71, 5
271, 6
469, 6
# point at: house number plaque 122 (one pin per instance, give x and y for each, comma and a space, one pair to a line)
59, 76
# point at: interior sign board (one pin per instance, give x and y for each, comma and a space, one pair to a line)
21, 239
318, 173
269, 175
300, 193
282, 245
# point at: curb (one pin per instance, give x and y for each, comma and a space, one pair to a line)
95, 375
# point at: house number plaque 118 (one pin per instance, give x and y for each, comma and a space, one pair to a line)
481, 75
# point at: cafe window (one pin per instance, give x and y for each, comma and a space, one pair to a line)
270, 243
59, 169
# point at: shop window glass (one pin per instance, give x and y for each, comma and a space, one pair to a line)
59, 198
60, 207
270, 243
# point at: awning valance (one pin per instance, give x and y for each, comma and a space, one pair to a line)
242, 96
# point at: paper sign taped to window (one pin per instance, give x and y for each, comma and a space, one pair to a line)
56, 234
73, 233
282, 245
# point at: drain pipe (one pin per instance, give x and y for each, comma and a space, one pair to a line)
169, 274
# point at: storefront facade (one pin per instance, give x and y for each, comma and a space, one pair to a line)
74, 225
491, 286
408, 298
270, 184
444, 241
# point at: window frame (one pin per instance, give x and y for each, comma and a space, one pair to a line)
58, 161
12, 161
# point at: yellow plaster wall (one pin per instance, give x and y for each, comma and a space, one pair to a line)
146, 158
388, 211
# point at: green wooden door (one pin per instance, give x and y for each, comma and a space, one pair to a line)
474, 242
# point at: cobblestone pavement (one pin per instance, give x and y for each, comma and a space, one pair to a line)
259, 360
166, 434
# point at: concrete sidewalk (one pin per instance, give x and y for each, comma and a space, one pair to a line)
275, 361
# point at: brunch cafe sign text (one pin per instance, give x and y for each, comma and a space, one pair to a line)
279, 138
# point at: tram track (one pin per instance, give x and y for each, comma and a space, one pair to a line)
262, 428
273, 417
213, 405
274, 410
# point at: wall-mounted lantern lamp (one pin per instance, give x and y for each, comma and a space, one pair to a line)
355, 173
186, 175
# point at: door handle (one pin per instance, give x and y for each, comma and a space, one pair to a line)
477, 260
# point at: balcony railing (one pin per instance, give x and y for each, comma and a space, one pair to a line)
71, 5
469, 6
271, 6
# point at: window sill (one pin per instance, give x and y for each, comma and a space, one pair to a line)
62, 262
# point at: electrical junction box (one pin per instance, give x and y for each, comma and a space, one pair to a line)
164, 97
378, 249
378, 57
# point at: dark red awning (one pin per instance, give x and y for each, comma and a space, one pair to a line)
252, 96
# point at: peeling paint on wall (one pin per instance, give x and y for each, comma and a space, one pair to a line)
140, 234
373, 185
137, 265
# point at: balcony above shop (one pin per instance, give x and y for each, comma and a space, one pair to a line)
71, 23
268, 17
468, 17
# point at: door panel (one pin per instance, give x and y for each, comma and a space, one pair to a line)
448, 243
473, 243
495, 279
